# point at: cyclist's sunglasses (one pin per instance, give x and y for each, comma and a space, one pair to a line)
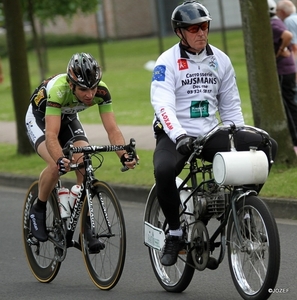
195, 28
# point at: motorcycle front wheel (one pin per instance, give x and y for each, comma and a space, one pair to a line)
253, 250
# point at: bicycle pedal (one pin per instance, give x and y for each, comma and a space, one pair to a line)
212, 263
32, 242
182, 252
60, 254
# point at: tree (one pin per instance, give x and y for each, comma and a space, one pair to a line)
48, 10
16, 44
267, 105
19, 70
39, 47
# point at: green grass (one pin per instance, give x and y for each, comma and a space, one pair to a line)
129, 83
281, 182
109, 171
125, 76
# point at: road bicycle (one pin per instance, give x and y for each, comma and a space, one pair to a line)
220, 194
97, 201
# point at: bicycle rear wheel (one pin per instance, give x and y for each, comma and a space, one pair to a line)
254, 263
105, 268
41, 257
175, 278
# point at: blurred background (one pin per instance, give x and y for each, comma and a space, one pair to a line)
117, 19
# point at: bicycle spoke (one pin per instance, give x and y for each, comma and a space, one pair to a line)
251, 261
105, 267
42, 257
175, 278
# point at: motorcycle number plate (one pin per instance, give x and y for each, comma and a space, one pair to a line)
154, 237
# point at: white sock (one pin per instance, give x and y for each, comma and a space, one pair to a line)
176, 232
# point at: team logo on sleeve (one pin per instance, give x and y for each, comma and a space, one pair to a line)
159, 73
40, 96
182, 64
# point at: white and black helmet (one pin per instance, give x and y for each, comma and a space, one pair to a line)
83, 70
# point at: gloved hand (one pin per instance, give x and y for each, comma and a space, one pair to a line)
184, 144
125, 158
61, 166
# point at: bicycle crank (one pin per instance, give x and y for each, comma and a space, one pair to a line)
57, 236
200, 245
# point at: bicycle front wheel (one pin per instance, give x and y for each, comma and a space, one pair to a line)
105, 268
254, 253
175, 278
41, 257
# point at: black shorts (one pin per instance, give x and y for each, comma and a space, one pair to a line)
71, 129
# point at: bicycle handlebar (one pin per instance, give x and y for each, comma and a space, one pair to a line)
70, 149
199, 142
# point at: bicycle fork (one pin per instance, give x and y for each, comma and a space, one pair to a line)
104, 210
236, 197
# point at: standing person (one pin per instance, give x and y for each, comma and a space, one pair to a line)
52, 122
286, 11
191, 82
286, 68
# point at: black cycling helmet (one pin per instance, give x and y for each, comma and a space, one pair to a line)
189, 13
84, 71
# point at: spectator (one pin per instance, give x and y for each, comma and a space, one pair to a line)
286, 68
286, 11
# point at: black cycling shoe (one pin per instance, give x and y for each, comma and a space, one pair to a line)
212, 263
94, 244
173, 244
38, 225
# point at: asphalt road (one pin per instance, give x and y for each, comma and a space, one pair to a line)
137, 281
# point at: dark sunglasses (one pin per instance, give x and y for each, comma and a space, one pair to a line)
195, 28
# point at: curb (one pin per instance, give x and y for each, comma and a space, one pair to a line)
124, 192
280, 208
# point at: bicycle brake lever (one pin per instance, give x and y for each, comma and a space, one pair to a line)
190, 158
124, 168
68, 152
198, 145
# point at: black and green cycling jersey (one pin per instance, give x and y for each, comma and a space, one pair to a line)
54, 97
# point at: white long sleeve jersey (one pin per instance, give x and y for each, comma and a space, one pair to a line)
187, 90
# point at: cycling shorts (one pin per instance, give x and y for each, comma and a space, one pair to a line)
71, 128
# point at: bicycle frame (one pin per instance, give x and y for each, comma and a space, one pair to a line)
191, 182
102, 234
87, 188
247, 231
231, 193
235, 193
